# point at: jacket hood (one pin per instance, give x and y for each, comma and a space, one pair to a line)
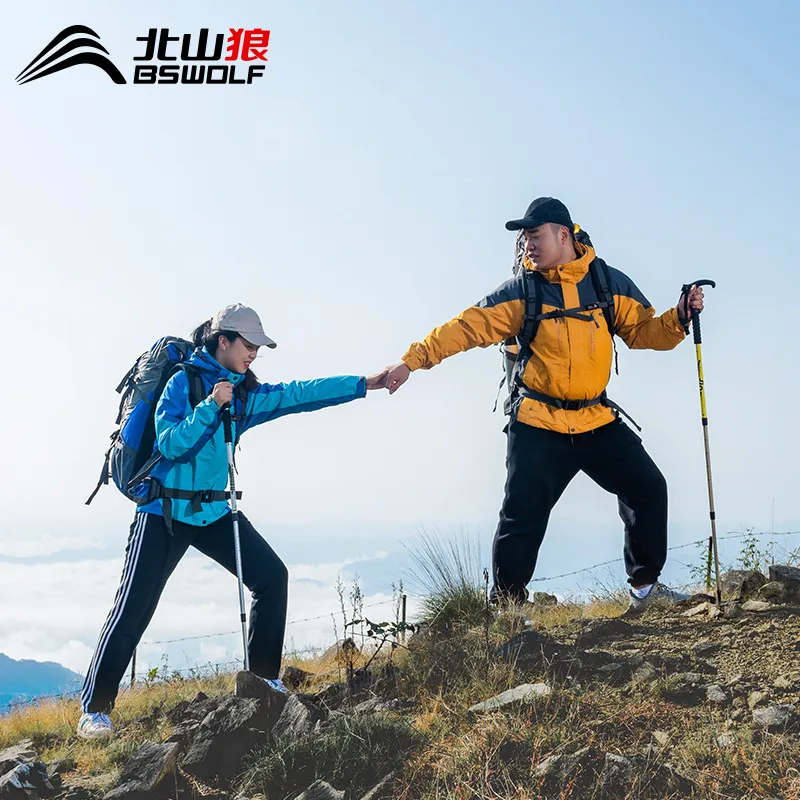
211, 369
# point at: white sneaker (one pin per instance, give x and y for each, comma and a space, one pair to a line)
276, 684
94, 725
658, 593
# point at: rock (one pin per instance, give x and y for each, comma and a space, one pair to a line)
60, 766
772, 592
21, 753
724, 739
754, 698
775, 718
756, 606
543, 599
695, 611
705, 648
295, 678
145, 771
248, 684
382, 791
237, 726
320, 790
297, 719
367, 707
645, 673
731, 611
186, 717
741, 584
785, 574
783, 682
616, 776
714, 694
26, 781
520, 694
579, 769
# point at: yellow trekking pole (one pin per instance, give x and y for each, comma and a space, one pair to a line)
698, 341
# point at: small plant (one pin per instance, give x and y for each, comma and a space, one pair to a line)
751, 557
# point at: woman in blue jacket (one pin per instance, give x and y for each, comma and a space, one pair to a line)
182, 502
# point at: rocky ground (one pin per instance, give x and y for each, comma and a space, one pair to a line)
662, 705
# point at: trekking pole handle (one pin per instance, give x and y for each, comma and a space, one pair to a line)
687, 287
226, 419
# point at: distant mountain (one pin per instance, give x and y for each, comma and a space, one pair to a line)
22, 680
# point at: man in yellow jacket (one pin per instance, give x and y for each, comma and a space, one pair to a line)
561, 421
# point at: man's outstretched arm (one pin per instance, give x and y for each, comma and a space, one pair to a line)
493, 319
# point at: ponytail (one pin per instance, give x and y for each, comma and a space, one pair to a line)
201, 335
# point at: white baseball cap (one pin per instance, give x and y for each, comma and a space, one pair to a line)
244, 321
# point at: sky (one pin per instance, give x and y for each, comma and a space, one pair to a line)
355, 196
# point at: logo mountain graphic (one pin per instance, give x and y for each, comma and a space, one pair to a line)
50, 64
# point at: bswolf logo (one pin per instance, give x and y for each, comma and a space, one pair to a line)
199, 58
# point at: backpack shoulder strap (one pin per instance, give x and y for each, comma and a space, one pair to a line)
531, 287
601, 279
197, 392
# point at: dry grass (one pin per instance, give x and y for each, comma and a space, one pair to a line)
139, 716
452, 755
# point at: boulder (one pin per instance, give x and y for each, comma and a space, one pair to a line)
739, 584
26, 781
145, 771
21, 753
295, 678
772, 592
776, 719
785, 574
520, 694
756, 606
235, 728
298, 718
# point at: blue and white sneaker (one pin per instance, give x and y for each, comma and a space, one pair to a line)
94, 725
276, 684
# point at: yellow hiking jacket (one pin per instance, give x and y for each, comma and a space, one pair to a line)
571, 358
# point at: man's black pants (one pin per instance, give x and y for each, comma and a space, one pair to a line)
150, 558
541, 464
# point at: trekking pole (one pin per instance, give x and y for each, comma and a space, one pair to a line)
698, 340
226, 423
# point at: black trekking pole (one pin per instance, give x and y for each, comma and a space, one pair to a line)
698, 340
226, 422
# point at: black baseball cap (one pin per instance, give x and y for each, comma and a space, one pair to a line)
541, 210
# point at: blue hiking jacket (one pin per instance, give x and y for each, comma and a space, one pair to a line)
192, 441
